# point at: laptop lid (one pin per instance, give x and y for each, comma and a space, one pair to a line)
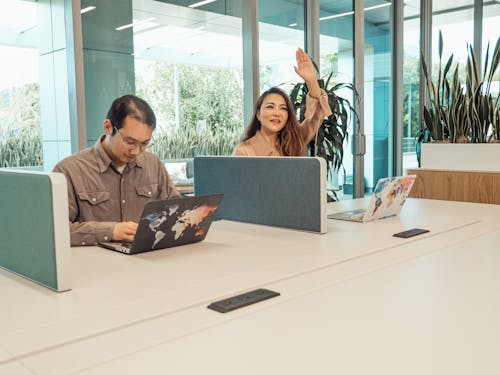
172, 222
389, 197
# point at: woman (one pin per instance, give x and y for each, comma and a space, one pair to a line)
274, 129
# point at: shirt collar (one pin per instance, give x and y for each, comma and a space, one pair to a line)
104, 161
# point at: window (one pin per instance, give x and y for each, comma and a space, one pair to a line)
378, 91
452, 18
188, 66
20, 129
337, 49
491, 33
411, 82
281, 32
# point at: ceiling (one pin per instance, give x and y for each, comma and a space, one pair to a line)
211, 34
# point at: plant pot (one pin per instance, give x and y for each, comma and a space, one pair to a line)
461, 156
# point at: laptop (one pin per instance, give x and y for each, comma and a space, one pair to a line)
387, 200
169, 223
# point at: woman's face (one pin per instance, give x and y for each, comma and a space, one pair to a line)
273, 114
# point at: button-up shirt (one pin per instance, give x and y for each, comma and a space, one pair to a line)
100, 196
316, 110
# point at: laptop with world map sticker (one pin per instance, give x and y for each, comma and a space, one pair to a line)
169, 223
387, 199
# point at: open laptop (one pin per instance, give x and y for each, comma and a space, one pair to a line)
387, 199
171, 222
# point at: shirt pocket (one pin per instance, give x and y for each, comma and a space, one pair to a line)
96, 206
94, 198
147, 191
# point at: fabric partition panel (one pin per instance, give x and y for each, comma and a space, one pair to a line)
285, 192
34, 227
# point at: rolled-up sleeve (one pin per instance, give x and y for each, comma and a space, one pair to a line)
316, 110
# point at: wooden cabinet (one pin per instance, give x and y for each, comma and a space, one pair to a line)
463, 186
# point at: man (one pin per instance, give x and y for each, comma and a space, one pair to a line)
109, 184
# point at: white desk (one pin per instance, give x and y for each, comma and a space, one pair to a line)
436, 314
124, 305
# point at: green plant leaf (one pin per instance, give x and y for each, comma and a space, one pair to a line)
440, 44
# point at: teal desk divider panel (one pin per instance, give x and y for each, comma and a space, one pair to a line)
34, 227
285, 192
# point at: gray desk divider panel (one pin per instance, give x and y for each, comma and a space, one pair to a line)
34, 227
285, 192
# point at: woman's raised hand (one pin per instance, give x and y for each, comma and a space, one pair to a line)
305, 69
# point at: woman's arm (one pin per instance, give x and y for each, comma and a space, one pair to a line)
317, 106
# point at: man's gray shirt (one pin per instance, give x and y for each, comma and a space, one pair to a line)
100, 196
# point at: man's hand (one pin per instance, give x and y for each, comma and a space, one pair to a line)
124, 231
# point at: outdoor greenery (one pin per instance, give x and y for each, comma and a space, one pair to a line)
187, 143
207, 119
20, 131
20, 147
199, 109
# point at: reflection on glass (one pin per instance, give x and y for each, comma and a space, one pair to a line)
188, 66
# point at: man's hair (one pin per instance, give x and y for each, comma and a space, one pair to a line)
133, 106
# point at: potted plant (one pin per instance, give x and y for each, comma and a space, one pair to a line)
330, 138
460, 112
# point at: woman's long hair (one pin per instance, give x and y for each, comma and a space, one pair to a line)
289, 138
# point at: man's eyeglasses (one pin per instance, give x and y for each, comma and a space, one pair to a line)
132, 143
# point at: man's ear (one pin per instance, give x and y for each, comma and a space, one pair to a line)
108, 127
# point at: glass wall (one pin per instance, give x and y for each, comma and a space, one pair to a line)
411, 82
337, 66
20, 124
183, 57
188, 65
491, 33
337, 45
378, 123
452, 18
281, 32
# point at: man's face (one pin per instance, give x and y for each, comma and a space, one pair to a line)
128, 142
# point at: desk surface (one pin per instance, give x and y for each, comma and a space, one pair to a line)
436, 314
122, 305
